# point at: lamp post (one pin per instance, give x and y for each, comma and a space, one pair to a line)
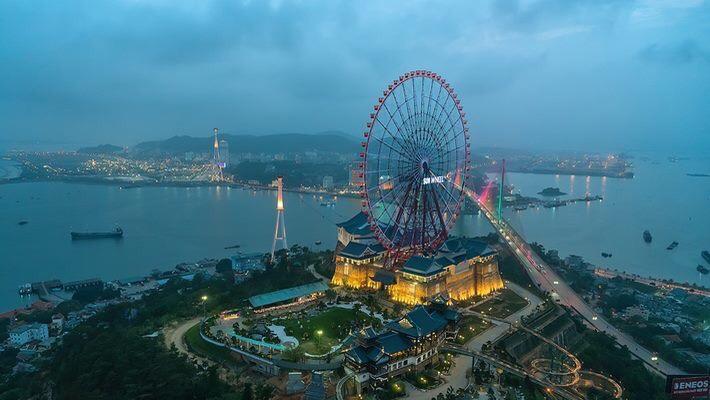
204, 300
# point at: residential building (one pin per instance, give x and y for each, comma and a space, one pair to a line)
24, 334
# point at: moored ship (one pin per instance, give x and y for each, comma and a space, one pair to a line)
116, 233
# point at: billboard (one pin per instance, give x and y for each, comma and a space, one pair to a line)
688, 386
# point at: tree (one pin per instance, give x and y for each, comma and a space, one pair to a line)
247, 392
330, 294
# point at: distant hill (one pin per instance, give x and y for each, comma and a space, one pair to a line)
331, 142
101, 149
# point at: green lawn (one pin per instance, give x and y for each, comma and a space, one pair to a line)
470, 326
317, 334
206, 349
503, 305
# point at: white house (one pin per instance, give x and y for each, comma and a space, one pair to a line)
26, 333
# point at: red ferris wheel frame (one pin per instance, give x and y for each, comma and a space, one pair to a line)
421, 145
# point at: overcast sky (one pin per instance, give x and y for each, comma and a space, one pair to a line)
586, 75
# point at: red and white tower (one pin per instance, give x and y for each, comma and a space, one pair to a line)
280, 222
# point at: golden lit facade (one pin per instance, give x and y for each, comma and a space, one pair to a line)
357, 273
461, 269
423, 278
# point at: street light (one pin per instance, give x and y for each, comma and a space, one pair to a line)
204, 300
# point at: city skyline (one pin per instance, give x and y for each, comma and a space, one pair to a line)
559, 75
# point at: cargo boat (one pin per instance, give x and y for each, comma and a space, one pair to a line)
647, 236
672, 245
115, 234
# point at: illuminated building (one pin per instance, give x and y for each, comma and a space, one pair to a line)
410, 343
459, 270
280, 231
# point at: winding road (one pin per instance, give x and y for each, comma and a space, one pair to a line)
546, 278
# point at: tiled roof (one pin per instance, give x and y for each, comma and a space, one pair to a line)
358, 251
393, 342
418, 323
357, 225
421, 265
453, 251
398, 335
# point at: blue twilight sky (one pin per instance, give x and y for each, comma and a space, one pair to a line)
570, 74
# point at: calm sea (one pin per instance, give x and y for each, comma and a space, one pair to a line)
165, 225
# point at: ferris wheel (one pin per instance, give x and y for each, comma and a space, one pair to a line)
415, 161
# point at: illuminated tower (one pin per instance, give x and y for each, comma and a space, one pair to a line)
280, 222
216, 160
500, 193
215, 157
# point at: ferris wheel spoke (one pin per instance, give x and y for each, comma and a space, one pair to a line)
398, 108
436, 102
409, 111
396, 126
382, 142
441, 217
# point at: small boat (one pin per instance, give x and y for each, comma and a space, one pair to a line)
520, 208
706, 255
318, 242
702, 269
647, 236
115, 234
672, 245
23, 222
606, 255
236, 246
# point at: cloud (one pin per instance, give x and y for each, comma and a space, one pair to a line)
687, 51
129, 70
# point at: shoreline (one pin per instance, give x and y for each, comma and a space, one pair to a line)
141, 184
611, 273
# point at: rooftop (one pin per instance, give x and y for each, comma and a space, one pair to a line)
357, 225
278, 296
24, 328
400, 335
359, 251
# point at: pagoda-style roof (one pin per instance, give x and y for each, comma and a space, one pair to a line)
453, 251
418, 323
359, 251
400, 335
358, 225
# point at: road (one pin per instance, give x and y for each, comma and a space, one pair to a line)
549, 281
176, 336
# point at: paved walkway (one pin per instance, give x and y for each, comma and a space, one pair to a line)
457, 379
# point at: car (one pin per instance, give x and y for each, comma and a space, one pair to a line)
594, 317
556, 282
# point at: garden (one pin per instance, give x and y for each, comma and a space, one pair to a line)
503, 305
318, 331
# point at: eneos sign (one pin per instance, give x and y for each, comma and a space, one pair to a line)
688, 387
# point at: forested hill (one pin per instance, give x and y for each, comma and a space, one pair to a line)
331, 142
